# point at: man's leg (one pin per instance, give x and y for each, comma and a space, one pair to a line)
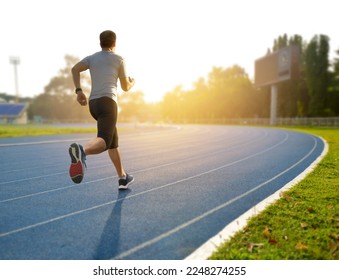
124, 179
115, 157
95, 146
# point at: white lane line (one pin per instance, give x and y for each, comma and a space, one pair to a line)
204, 215
55, 190
144, 192
47, 175
43, 142
111, 177
31, 178
47, 166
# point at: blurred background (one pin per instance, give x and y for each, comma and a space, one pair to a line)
193, 61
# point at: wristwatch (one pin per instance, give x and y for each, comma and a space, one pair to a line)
78, 89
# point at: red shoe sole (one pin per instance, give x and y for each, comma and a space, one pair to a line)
76, 172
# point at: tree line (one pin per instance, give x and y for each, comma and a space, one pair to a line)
225, 92
229, 93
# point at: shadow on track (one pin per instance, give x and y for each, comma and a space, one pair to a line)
108, 246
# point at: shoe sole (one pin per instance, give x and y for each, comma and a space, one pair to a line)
122, 187
76, 169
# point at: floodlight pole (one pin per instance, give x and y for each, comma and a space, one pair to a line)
15, 61
274, 99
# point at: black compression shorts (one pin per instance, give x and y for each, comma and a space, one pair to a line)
105, 111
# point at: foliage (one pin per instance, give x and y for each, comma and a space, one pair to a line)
58, 102
333, 92
317, 76
228, 93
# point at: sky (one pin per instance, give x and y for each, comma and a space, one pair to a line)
165, 43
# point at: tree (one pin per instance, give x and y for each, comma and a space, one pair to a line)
132, 106
198, 103
58, 101
333, 93
172, 105
227, 93
317, 75
336, 66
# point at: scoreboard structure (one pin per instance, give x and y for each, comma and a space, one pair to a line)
277, 67
274, 68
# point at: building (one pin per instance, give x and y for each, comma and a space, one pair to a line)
13, 113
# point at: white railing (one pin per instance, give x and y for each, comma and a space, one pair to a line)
321, 122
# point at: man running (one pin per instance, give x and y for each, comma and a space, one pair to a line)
105, 67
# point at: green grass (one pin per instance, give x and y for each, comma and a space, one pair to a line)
303, 224
36, 130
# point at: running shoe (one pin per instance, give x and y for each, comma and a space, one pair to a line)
123, 183
78, 164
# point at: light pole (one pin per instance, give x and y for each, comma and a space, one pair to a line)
15, 61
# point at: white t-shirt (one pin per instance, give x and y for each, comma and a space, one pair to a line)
105, 68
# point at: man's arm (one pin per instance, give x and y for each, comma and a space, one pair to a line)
76, 70
127, 83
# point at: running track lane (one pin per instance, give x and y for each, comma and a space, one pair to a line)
190, 182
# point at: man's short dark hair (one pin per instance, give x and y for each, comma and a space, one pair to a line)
107, 39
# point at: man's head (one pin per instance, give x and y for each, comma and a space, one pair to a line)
107, 39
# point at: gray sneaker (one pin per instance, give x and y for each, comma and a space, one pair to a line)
123, 183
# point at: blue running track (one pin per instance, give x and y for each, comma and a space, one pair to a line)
185, 178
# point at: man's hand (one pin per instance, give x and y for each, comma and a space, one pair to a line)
81, 98
127, 83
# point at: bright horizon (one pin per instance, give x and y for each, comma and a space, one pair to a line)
165, 43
